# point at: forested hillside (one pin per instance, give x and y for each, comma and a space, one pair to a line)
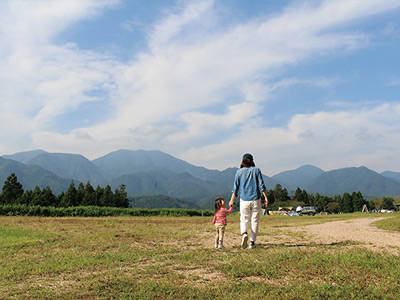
150, 173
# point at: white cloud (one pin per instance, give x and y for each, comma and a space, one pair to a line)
329, 140
201, 91
210, 126
181, 75
172, 26
41, 80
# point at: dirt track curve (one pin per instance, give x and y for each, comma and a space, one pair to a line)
358, 230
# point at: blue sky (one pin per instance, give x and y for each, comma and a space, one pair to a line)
292, 82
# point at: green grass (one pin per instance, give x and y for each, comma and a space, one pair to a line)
174, 258
391, 223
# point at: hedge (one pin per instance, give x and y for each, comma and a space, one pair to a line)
95, 211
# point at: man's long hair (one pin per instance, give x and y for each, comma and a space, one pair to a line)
247, 163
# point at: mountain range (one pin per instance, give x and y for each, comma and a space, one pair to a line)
336, 182
149, 173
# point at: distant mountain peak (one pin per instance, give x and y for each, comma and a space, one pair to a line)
299, 177
24, 156
308, 167
124, 162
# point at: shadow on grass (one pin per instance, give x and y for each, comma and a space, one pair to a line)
298, 245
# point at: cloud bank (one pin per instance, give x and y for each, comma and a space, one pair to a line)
201, 91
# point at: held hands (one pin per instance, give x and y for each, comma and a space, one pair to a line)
265, 198
232, 199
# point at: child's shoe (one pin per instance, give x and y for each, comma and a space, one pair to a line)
245, 239
216, 245
220, 245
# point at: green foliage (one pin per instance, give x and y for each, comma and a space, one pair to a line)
338, 199
70, 197
333, 207
358, 201
105, 197
161, 201
389, 223
84, 195
387, 203
322, 202
121, 197
280, 194
345, 203
12, 190
298, 195
43, 198
383, 203
271, 196
95, 211
89, 197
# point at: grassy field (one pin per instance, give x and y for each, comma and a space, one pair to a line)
174, 258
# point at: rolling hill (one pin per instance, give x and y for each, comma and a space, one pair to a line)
368, 182
31, 176
392, 175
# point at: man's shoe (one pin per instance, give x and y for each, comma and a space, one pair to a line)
245, 239
252, 245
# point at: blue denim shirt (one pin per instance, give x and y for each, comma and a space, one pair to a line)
249, 182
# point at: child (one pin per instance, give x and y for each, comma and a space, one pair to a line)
220, 221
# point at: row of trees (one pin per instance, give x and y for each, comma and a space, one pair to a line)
346, 203
84, 195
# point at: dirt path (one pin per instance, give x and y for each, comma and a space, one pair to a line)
358, 230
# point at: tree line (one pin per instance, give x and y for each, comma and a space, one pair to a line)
347, 203
83, 195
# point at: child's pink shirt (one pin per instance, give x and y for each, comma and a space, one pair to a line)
220, 215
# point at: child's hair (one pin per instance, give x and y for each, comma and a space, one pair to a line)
218, 203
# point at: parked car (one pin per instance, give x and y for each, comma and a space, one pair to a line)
309, 210
386, 211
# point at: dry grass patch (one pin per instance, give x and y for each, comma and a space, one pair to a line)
174, 258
